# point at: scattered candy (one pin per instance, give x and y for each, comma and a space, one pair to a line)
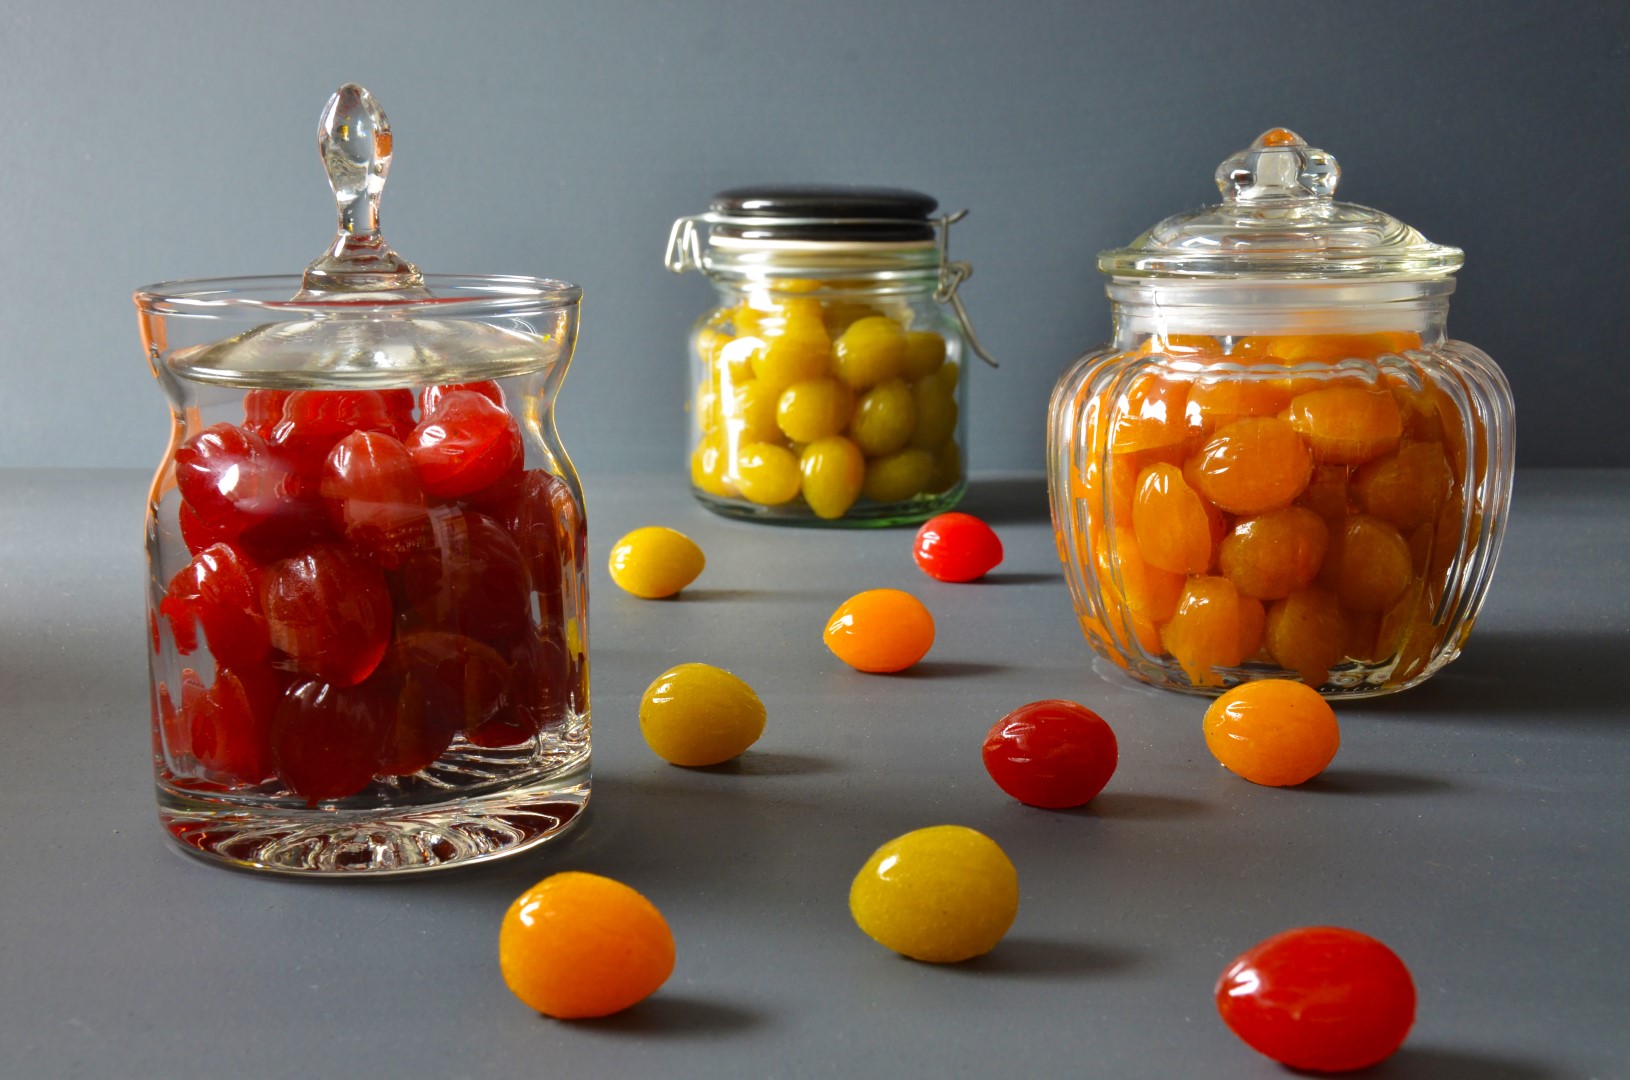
957, 547
1319, 998
697, 714
1275, 732
654, 562
880, 630
1053, 754
579, 945
943, 894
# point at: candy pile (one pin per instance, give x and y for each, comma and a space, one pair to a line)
375, 575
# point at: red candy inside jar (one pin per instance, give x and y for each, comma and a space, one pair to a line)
368, 612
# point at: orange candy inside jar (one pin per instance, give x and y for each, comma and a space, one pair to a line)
1291, 502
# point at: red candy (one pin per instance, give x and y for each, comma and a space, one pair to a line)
957, 547
220, 592
1319, 998
329, 610
365, 588
466, 444
472, 580
1052, 754
374, 496
326, 739
430, 397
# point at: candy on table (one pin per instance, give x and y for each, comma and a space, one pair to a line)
655, 562
956, 547
1274, 732
880, 631
825, 400
1319, 998
360, 615
1053, 754
942, 894
578, 945
697, 714
1332, 498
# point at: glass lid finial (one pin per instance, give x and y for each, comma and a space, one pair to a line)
354, 141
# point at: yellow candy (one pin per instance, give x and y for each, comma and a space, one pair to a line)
942, 894
697, 714
814, 409
925, 352
947, 468
936, 414
801, 351
655, 562
898, 476
884, 418
750, 410
767, 474
833, 471
710, 466
871, 350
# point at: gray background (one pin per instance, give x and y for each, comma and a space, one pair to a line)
159, 140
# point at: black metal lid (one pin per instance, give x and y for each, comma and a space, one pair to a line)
829, 212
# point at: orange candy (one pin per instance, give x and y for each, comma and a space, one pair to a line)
1326, 493
1271, 555
1251, 465
1406, 489
1277, 733
1214, 626
1150, 414
1170, 522
579, 945
1215, 403
1306, 632
1369, 564
1347, 425
1146, 590
880, 630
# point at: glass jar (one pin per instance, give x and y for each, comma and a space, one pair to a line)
1281, 467
828, 385
367, 602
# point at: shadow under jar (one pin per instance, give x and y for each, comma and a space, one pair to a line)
367, 603
828, 383
1280, 467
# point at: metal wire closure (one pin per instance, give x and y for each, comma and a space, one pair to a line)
685, 253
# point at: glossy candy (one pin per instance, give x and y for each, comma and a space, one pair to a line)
956, 547
697, 714
1053, 754
1275, 732
942, 894
578, 945
218, 592
880, 630
466, 444
329, 611
374, 496
833, 471
655, 562
473, 580
870, 351
1320, 998
326, 739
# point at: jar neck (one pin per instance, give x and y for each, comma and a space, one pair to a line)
1162, 308
827, 269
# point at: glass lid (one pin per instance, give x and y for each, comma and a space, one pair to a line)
361, 312
1279, 220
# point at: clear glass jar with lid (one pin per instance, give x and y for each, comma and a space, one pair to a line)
1281, 466
829, 382
367, 604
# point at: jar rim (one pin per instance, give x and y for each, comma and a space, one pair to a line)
269, 296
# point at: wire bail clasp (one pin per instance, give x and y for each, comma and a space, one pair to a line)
684, 245
952, 275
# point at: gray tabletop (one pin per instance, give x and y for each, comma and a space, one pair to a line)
1477, 824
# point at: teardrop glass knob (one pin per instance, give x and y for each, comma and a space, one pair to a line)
354, 140
1279, 167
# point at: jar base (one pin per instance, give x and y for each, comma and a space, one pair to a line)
860, 516
376, 842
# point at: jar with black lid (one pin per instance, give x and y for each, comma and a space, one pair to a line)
829, 381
